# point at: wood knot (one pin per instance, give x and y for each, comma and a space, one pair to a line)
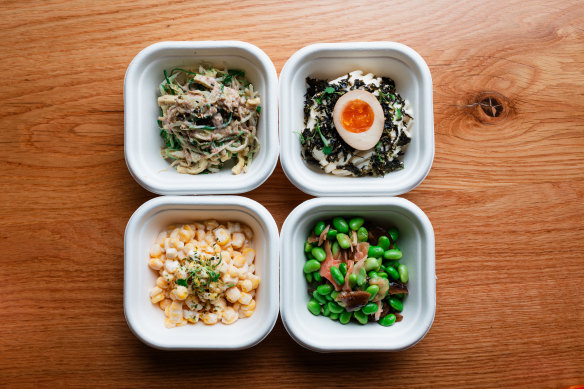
490, 107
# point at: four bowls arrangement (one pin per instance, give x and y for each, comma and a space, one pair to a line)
142, 151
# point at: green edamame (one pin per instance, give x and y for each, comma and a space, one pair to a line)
343, 268
362, 234
321, 300
345, 317
334, 295
352, 280
325, 310
371, 264
372, 290
344, 241
335, 248
328, 297
341, 225
311, 265
392, 254
375, 252
324, 289
396, 304
361, 317
337, 275
331, 234
334, 316
318, 253
392, 273
314, 307
370, 308
384, 242
392, 263
393, 234
361, 277
356, 223
335, 308
388, 320
382, 274
307, 247
316, 276
403, 273
372, 274
319, 228
308, 277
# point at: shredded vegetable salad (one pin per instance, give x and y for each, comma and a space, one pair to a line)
208, 117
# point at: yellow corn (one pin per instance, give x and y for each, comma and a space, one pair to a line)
255, 281
222, 236
211, 224
165, 304
209, 318
245, 285
162, 283
229, 316
155, 263
238, 239
249, 255
155, 251
238, 259
233, 294
245, 298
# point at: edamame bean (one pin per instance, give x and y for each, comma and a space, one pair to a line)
362, 234
392, 263
372, 274
319, 228
318, 254
341, 225
316, 276
388, 320
308, 277
321, 300
375, 252
311, 265
396, 304
382, 274
400, 296
356, 223
372, 290
325, 310
334, 295
307, 247
392, 273
337, 275
344, 241
393, 234
345, 317
309, 256
370, 308
334, 316
384, 242
361, 317
331, 234
392, 254
335, 249
335, 308
328, 297
371, 264
361, 277
343, 268
314, 307
403, 273
352, 280
324, 289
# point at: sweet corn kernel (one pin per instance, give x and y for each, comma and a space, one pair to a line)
185, 234
201, 234
249, 255
250, 306
255, 281
233, 271
155, 251
233, 294
247, 231
238, 259
155, 263
169, 323
229, 316
171, 266
157, 298
171, 253
209, 318
234, 227
244, 299
222, 236
238, 239
245, 285
179, 293
174, 233
211, 224
162, 283
165, 304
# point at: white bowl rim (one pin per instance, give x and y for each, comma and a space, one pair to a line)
292, 165
270, 144
273, 243
289, 224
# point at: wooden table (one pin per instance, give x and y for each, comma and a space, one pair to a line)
504, 193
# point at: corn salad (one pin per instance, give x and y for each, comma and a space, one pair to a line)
206, 272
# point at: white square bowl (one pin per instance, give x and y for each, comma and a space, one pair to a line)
331, 60
142, 141
319, 333
146, 320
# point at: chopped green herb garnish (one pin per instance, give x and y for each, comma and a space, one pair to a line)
302, 140
168, 87
259, 109
181, 282
232, 73
327, 149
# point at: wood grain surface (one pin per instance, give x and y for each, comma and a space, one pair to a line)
505, 193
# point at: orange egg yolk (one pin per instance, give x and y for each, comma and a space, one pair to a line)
357, 116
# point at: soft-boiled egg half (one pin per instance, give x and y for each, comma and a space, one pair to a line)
359, 119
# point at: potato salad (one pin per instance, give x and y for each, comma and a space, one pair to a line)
206, 272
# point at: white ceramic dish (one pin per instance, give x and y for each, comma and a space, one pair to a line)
416, 241
330, 60
146, 320
142, 140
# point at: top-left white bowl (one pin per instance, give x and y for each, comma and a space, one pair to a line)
142, 140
